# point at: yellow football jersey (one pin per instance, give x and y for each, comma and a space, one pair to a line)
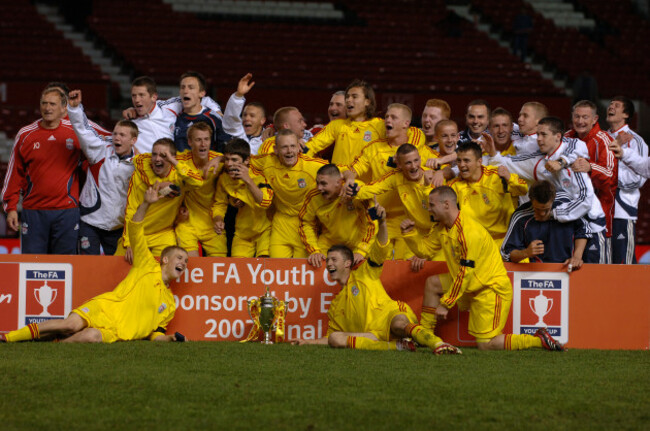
140, 304
472, 257
373, 162
487, 201
336, 222
363, 305
267, 147
252, 219
160, 215
199, 200
290, 184
349, 137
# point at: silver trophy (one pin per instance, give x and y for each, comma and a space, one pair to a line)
541, 305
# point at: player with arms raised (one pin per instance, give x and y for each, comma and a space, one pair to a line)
140, 307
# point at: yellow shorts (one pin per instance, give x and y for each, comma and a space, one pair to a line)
382, 319
253, 247
95, 318
189, 238
157, 242
285, 237
400, 249
488, 314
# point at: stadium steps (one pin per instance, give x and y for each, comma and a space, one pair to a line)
96, 56
562, 13
548, 73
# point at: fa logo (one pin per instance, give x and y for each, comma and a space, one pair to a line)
37, 145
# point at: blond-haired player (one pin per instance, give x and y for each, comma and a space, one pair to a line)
285, 118
250, 192
526, 141
159, 166
291, 174
327, 219
362, 315
476, 274
197, 226
140, 307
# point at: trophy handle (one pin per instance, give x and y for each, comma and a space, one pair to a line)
249, 309
37, 296
56, 291
550, 305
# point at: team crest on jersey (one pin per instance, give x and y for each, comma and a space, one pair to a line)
25, 228
69, 144
354, 290
367, 136
162, 307
302, 183
485, 199
566, 183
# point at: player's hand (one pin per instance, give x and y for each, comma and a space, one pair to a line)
553, 166
237, 203
212, 165
129, 113
487, 144
245, 85
303, 145
503, 172
152, 194
302, 342
581, 165
267, 133
442, 311
241, 172
381, 211
169, 157
12, 220
219, 225
316, 259
434, 179
573, 264
182, 216
535, 248
616, 148
128, 255
623, 138
417, 263
358, 258
433, 164
74, 98
406, 226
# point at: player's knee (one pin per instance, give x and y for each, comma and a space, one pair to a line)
72, 324
483, 345
433, 286
487, 344
337, 340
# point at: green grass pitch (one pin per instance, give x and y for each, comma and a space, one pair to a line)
233, 386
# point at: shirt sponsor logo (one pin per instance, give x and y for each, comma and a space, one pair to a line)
51, 138
541, 300
37, 145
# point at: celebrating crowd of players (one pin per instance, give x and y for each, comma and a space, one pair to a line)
358, 190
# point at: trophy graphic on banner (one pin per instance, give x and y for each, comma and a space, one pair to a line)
540, 305
45, 296
267, 313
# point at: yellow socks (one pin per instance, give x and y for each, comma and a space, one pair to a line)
428, 318
423, 336
364, 343
29, 332
521, 342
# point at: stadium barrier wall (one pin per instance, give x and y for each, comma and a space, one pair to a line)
599, 306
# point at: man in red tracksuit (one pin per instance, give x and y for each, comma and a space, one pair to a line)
602, 167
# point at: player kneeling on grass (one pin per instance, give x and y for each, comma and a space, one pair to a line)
140, 307
363, 316
476, 275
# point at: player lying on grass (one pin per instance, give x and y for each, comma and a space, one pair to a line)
363, 316
476, 278
140, 307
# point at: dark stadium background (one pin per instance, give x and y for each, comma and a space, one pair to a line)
301, 52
